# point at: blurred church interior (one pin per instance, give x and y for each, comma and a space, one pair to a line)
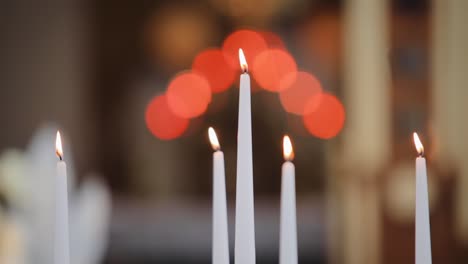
90, 68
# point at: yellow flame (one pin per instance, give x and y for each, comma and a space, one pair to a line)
288, 152
243, 61
213, 139
418, 144
58, 146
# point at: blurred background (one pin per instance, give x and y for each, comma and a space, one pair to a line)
134, 85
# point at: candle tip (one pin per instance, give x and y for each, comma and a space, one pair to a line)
243, 61
288, 152
58, 146
213, 139
418, 144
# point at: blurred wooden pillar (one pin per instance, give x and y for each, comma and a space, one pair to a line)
450, 79
366, 145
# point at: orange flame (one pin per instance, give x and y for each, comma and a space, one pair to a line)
288, 152
58, 146
418, 144
243, 61
213, 139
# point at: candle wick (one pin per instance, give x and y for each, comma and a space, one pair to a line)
59, 155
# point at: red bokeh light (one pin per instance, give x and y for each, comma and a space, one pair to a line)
189, 94
273, 41
296, 90
162, 122
214, 66
271, 66
251, 42
327, 118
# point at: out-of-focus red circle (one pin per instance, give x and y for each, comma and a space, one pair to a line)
273, 41
189, 94
215, 67
162, 122
327, 118
296, 90
271, 66
251, 42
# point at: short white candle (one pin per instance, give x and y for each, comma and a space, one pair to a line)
220, 246
423, 229
245, 230
61, 243
288, 228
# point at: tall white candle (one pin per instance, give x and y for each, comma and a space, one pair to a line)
245, 229
61, 246
288, 228
423, 229
220, 246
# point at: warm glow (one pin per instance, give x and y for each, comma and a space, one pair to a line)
288, 152
213, 139
270, 66
418, 144
58, 146
251, 42
324, 116
216, 68
298, 89
162, 122
243, 62
189, 94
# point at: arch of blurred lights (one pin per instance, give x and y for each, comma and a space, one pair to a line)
213, 71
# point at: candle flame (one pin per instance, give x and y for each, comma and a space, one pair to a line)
418, 144
58, 146
243, 61
288, 152
213, 139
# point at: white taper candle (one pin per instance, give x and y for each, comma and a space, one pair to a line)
61, 242
245, 230
423, 253
220, 246
288, 224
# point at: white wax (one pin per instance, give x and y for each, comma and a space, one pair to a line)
288, 225
220, 250
61, 252
245, 229
423, 229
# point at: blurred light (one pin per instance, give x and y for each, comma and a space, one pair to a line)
213, 139
58, 146
288, 152
296, 90
418, 144
271, 66
176, 33
213, 65
189, 94
251, 42
327, 118
162, 122
273, 41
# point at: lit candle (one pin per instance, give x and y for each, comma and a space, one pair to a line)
423, 230
61, 247
245, 230
288, 228
220, 246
